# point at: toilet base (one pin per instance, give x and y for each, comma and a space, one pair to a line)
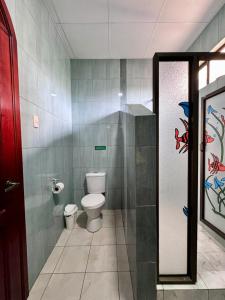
95, 224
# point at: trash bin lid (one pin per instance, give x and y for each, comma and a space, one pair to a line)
70, 209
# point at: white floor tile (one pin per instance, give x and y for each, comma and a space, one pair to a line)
119, 220
118, 212
185, 294
100, 286
102, 259
125, 286
80, 237
105, 236
64, 287
203, 263
216, 294
108, 212
217, 260
108, 221
120, 237
214, 279
63, 238
122, 258
208, 246
52, 260
39, 287
73, 259
160, 295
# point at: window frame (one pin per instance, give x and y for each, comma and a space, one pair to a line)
207, 64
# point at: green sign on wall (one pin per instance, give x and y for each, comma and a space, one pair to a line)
100, 147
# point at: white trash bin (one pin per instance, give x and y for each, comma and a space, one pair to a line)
70, 214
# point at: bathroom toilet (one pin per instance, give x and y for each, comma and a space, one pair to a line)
94, 201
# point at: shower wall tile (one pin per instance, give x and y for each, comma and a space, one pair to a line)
114, 199
221, 17
139, 82
146, 234
45, 91
86, 133
96, 122
113, 69
139, 201
114, 135
210, 35
81, 69
142, 135
100, 134
100, 159
86, 157
115, 156
146, 281
139, 68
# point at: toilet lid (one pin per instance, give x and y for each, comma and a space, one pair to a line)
93, 201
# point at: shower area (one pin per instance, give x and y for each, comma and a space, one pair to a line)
190, 192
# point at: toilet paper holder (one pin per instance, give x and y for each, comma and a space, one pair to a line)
57, 187
54, 181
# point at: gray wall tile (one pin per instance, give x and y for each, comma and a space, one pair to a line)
139, 190
145, 131
146, 234
44, 70
146, 281
100, 159
221, 17
115, 156
211, 35
99, 69
86, 157
95, 114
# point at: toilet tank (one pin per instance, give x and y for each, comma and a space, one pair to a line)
96, 183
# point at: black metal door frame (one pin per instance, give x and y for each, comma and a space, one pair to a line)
202, 171
193, 183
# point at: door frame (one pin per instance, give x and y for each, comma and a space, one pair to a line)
202, 171
193, 178
4, 14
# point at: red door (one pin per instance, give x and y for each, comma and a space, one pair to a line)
13, 263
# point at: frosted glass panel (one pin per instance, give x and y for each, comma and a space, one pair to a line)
214, 200
173, 167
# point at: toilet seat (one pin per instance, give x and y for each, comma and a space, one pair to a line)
93, 201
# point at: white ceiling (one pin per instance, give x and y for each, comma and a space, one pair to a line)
132, 28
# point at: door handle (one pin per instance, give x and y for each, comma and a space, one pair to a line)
9, 186
2, 212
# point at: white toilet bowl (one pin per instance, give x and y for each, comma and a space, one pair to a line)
92, 205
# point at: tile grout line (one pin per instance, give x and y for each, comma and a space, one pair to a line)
86, 268
65, 246
51, 275
45, 287
55, 265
